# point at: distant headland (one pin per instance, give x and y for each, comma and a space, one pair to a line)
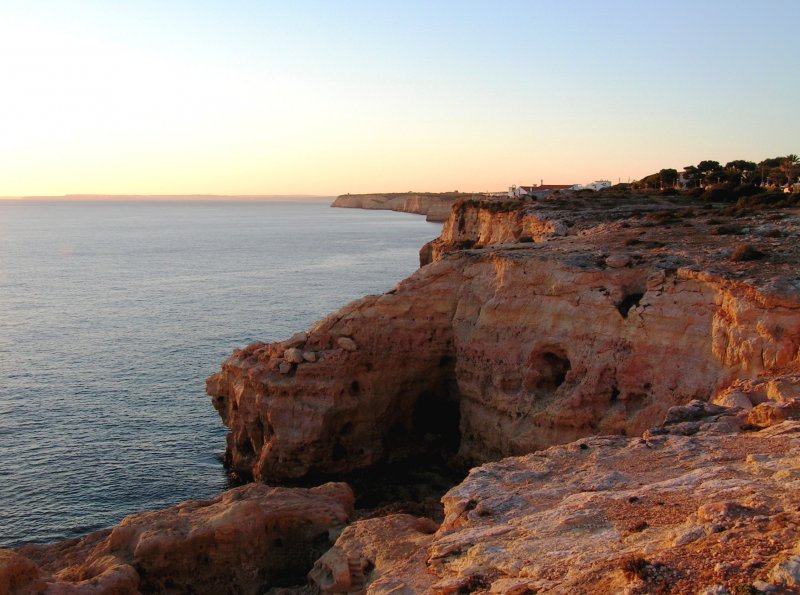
436, 206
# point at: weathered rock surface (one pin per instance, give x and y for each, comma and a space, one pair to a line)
435, 206
244, 541
559, 322
715, 512
539, 329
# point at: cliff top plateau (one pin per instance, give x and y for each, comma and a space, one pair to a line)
619, 373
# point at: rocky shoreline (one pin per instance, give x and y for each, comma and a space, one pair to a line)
621, 373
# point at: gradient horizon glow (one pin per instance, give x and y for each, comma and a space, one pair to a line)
260, 97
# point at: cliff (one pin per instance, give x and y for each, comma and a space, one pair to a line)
435, 206
560, 321
622, 373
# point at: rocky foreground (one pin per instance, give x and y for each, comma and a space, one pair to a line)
623, 374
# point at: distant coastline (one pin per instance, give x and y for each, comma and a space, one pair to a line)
436, 206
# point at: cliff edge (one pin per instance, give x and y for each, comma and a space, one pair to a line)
621, 372
534, 324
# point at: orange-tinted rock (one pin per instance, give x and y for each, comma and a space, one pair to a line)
376, 552
18, 574
527, 339
672, 514
244, 541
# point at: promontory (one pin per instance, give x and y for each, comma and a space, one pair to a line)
609, 382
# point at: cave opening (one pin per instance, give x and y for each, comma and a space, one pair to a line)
547, 370
421, 448
436, 421
421, 461
431, 426
629, 301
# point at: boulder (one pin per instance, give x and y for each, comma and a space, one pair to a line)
246, 540
293, 355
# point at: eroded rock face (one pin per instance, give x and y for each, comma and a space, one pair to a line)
374, 385
244, 541
598, 327
477, 224
718, 510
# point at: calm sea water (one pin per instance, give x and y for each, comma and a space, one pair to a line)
113, 314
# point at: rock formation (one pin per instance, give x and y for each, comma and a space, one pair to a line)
435, 206
542, 342
244, 541
533, 325
695, 507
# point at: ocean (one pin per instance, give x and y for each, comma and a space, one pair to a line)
112, 315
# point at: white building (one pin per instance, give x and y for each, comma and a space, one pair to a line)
537, 191
596, 185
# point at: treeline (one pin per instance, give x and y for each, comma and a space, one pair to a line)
775, 171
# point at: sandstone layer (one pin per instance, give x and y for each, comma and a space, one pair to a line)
534, 324
246, 540
435, 206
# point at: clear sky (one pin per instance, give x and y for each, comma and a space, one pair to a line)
268, 97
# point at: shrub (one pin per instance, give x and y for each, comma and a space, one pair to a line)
695, 192
719, 193
728, 230
635, 567
746, 252
768, 200
747, 190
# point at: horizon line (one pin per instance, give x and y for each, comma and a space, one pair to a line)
204, 196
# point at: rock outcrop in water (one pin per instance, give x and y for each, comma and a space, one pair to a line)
247, 540
435, 206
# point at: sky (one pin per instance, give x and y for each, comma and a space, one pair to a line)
322, 97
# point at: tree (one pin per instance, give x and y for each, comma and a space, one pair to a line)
789, 167
740, 171
709, 171
774, 170
652, 181
668, 177
708, 166
740, 165
690, 175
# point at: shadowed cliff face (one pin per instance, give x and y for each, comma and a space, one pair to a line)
534, 338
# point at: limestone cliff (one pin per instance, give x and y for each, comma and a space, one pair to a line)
435, 206
561, 320
560, 331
